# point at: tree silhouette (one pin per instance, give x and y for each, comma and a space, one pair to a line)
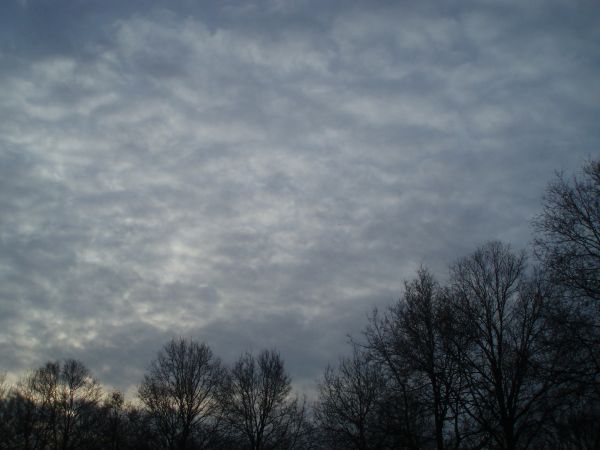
180, 393
568, 232
351, 397
258, 406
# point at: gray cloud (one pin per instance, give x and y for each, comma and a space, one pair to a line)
264, 174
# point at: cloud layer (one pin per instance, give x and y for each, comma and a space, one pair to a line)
262, 174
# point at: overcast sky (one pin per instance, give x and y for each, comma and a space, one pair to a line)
263, 174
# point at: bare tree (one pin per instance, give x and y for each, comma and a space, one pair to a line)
114, 420
411, 342
55, 406
506, 364
568, 232
258, 406
424, 319
180, 392
21, 420
349, 405
568, 245
80, 395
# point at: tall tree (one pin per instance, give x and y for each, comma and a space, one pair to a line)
506, 364
55, 406
180, 392
114, 420
424, 321
567, 244
568, 232
349, 407
410, 341
258, 405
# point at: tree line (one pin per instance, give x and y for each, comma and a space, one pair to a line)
503, 355
187, 400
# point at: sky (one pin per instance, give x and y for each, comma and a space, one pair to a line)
263, 174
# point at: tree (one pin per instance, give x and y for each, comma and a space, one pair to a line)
21, 420
6, 432
504, 357
180, 393
54, 406
410, 341
568, 239
424, 320
114, 420
349, 405
568, 246
258, 406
